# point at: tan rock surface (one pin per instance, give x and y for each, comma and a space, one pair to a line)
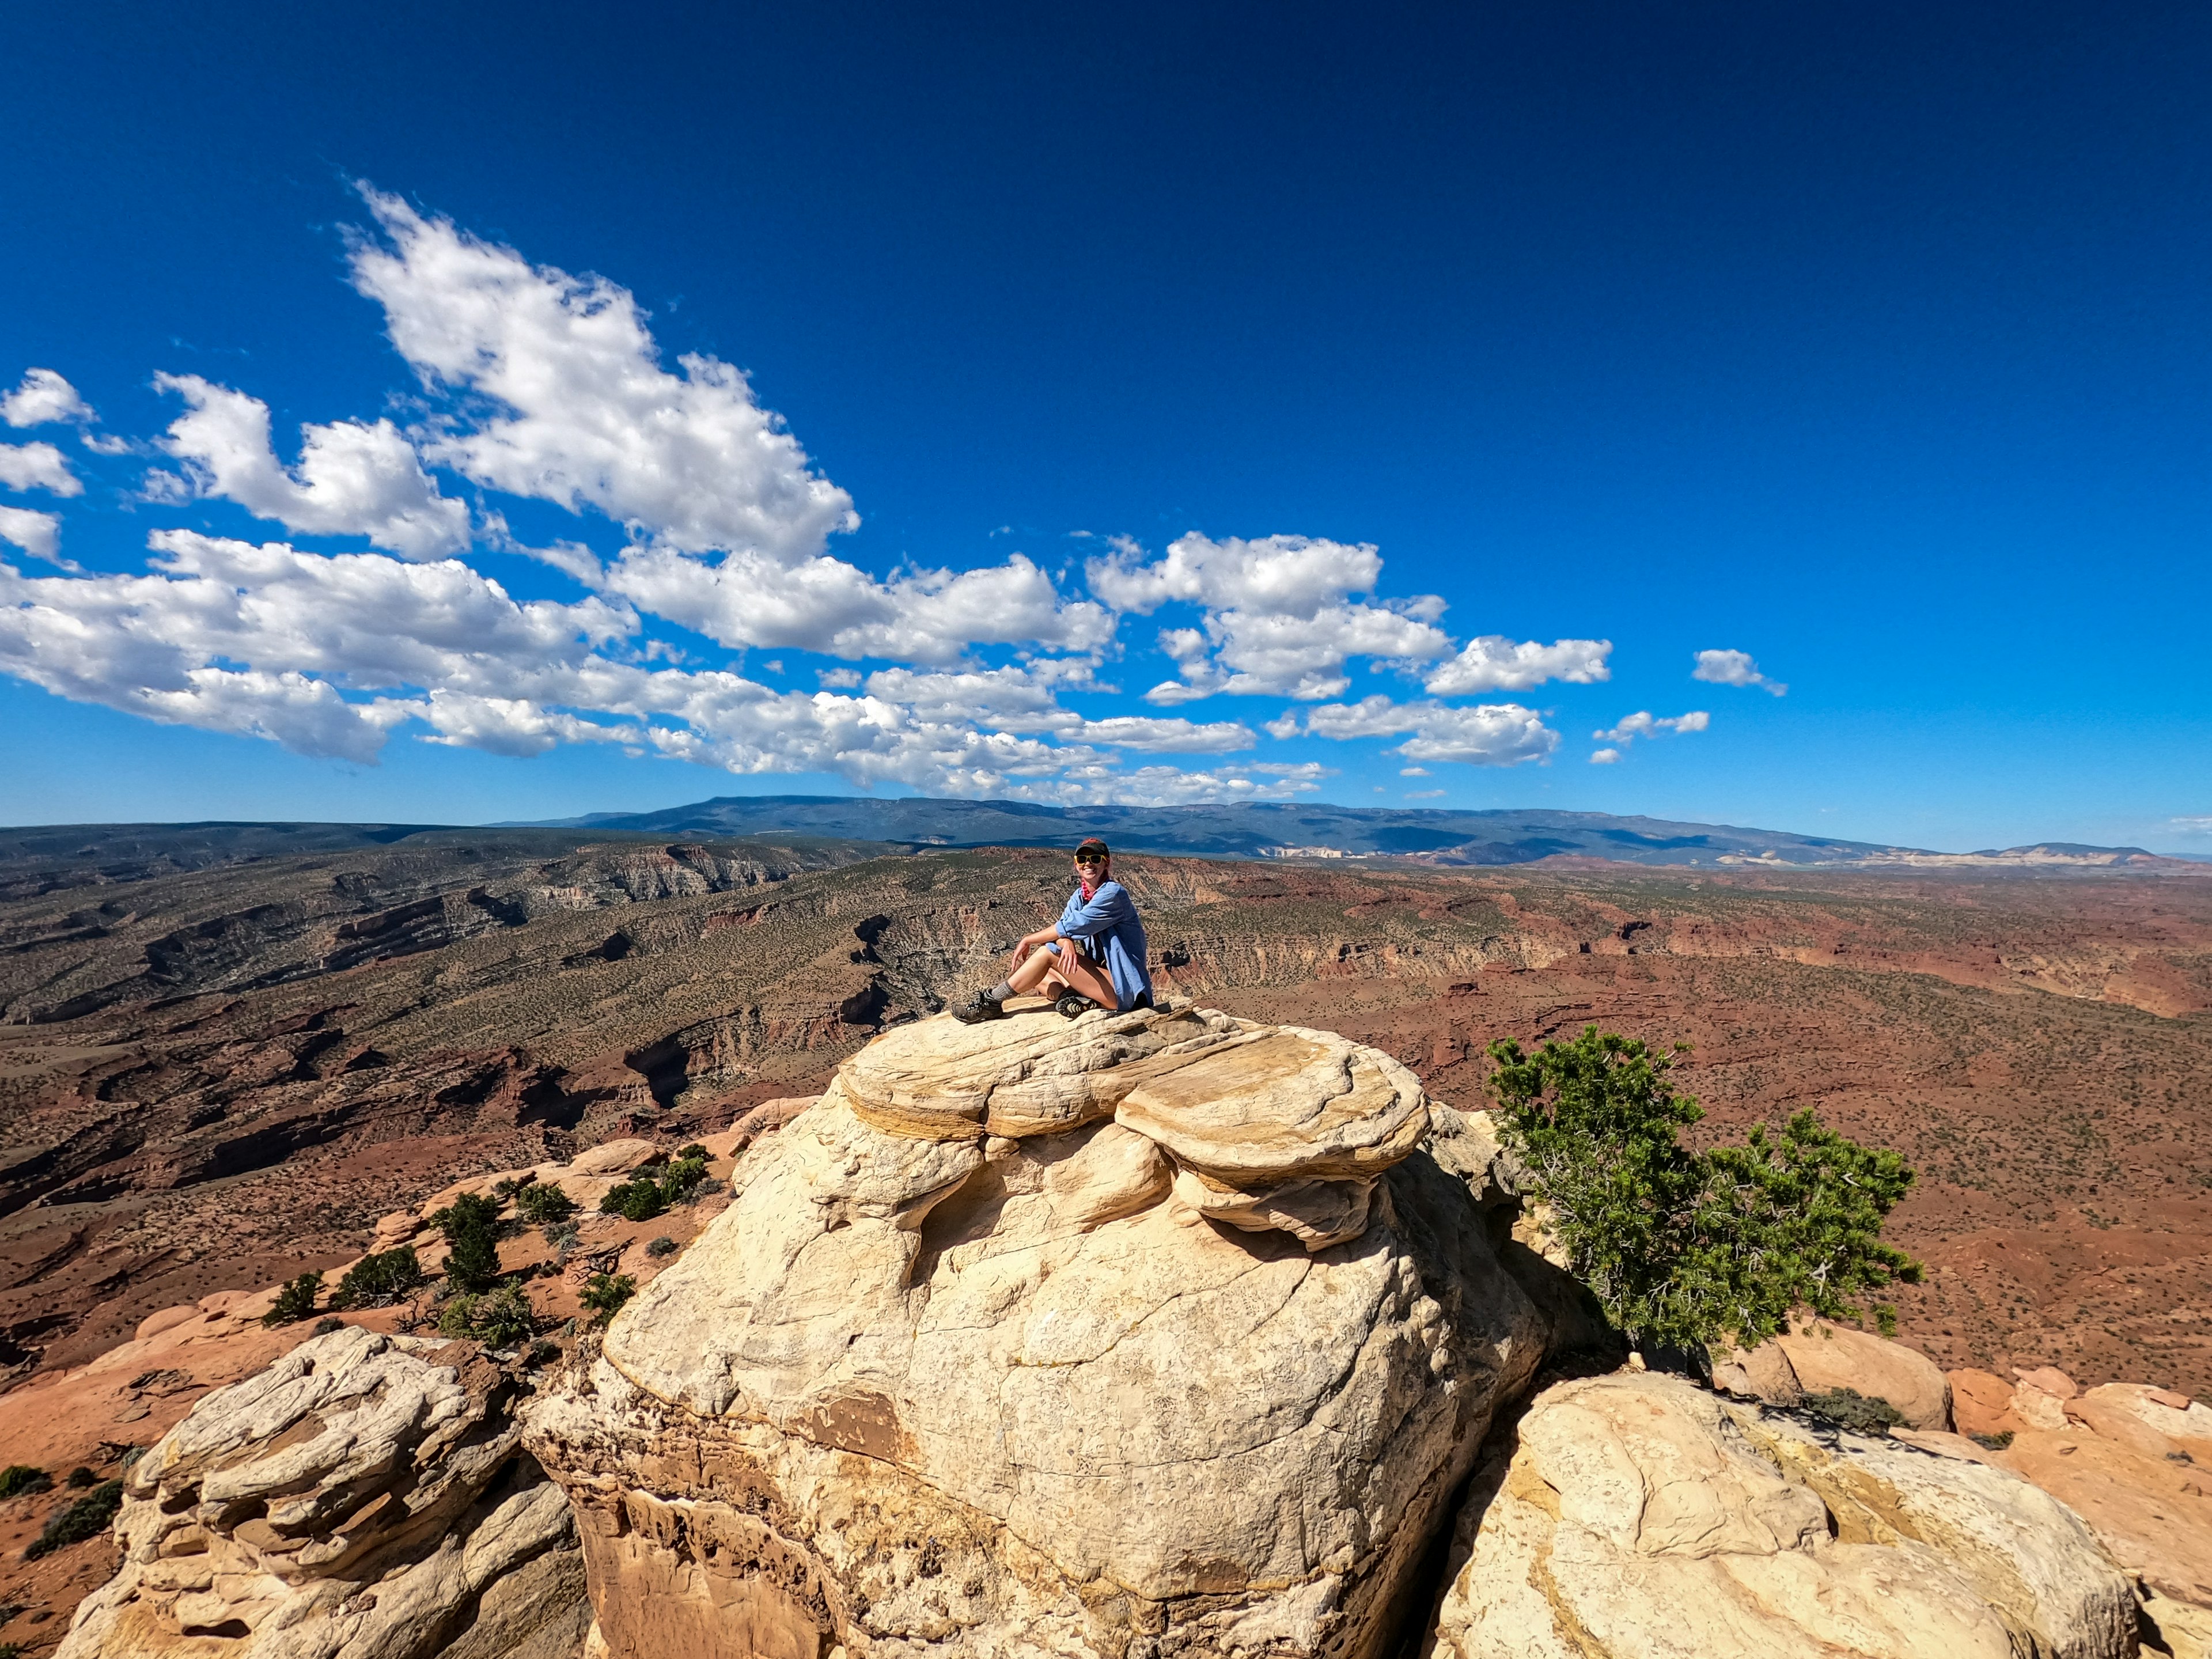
1030, 1073
1636, 1517
2153, 1515
989, 1394
613, 1158
1281, 1104
364, 1495
1818, 1357
1981, 1403
2134, 1461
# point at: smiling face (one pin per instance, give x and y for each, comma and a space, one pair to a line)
1090, 866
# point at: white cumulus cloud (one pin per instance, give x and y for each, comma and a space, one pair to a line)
354, 479
536, 383
43, 399
1283, 575
1604, 756
585, 414
1487, 734
1279, 616
37, 466
1495, 663
825, 604
1734, 668
38, 534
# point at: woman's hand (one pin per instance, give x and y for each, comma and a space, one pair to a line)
1029, 942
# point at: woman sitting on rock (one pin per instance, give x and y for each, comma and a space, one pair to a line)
1095, 950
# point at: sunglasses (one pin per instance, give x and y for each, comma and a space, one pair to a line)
1089, 858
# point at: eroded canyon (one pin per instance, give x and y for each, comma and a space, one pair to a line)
224, 1058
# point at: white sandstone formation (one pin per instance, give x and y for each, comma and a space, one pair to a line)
362, 1497
1636, 1517
1146, 1334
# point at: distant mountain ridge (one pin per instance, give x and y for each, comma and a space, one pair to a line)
1295, 830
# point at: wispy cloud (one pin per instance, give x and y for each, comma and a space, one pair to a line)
1735, 668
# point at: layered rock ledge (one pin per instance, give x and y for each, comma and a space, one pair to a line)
1638, 1516
1149, 1334
365, 1497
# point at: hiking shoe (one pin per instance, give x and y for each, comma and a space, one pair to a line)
977, 1006
1072, 1004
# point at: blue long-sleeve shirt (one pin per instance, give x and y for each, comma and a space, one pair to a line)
1110, 931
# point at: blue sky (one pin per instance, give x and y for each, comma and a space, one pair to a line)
461, 418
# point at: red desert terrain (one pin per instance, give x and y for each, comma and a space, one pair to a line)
223, 1059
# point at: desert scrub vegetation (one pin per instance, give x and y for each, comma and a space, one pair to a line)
379, 1280
604, 1294
645, 1195
470, 1224
542, 1206
295, 1301
88, 1518
500, 1318
1848, 1408
19, 1478
1683, 1248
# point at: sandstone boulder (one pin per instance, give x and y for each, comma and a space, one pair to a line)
1032, 1074
1636, 1517
613, 1158
2134, 1461
929, 1386
1818, 1357
2152, 1512
365, 1497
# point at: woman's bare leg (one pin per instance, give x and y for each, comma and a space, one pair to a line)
1080, 974
1035, 967
1043, 972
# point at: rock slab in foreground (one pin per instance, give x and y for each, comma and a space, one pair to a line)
357, 1499
955, 1392
1637, 1516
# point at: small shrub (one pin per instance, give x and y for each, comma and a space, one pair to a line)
88, 1518
470, 1224
328, 1323
684, 1178
543, 1352
544, 1205
693, 1150
663, 1245
1847, 1408
80, 1478
296, 1302
19, 1478
604, 1294
2000, 1440
379, 1280
507, 1187
563, 1238
11, 1650
634, 1201
501, 1318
